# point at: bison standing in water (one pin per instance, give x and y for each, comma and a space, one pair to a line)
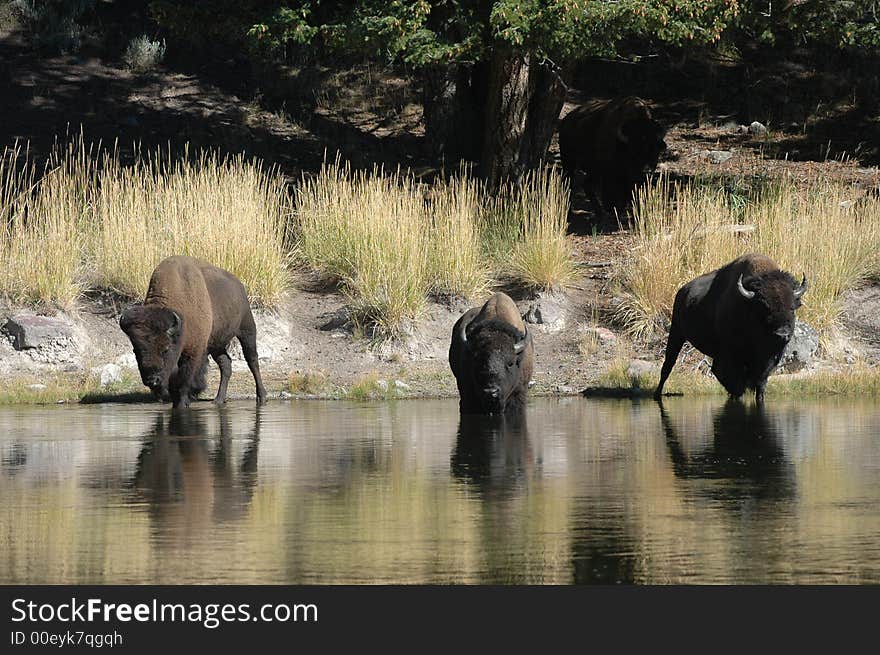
492, 357
742, 316
192, 310
615, 143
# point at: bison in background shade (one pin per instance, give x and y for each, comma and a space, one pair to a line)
614, 143
192, 310
742, 316
492, 357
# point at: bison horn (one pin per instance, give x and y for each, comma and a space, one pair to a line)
174, 330
520, 345
745, 293
623, 138
802, 289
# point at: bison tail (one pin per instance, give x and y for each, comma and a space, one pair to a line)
199, 384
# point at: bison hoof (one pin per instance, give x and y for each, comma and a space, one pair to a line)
220, 401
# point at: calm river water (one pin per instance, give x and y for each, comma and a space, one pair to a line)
578, 491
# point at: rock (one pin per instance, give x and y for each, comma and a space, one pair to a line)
128, 360
382, 385
31, 331
640, 367
564, 388
339, 320
286, 395
719, 156
758, 129
601, 334
801, 350
547, 310
265, 353
400, 385
108, 374
36, 387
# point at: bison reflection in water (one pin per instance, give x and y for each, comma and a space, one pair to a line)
742, 316
492, 357
494, 452
744, 454
187, 475
615, 143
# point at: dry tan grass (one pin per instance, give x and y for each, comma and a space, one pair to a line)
82, 224
389, 245
41, 226
228, 212
684, 231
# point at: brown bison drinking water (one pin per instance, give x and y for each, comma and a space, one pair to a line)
492, 357
192, 310
615, 143
742, 316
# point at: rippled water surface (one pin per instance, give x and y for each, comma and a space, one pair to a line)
576, 491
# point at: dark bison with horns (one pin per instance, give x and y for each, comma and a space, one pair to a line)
492, 357
192, 310
614, 143
742, 316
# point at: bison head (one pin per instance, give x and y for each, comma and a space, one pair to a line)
497, 350
773, 299
642, 139
155, 335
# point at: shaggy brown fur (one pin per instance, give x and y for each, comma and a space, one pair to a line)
192, 310
614, 143
492, 357
744, 336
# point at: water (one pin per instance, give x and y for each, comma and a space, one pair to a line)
579, 491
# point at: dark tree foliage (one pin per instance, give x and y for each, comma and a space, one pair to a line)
494, 71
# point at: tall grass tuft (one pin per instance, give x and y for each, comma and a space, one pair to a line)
228, 212
525, 231
389, 244
368, 232
456, 262
88, 221
682, 231
41, 225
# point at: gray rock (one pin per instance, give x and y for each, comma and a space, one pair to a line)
564, 389
758, 129
286, 395
401, 385
108, 373
36, 387
128, 360
31, 331
382, 385
601, 334
639, 367
801, 350
719, 156
549, 310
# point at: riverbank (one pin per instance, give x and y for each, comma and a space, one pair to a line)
308, 349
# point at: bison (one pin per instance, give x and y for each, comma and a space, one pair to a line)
742, 316
492, 357
192, 310
615, 143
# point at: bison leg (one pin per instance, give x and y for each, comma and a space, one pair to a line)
248, 341
182, 382
731, 376
225, 363
673, 348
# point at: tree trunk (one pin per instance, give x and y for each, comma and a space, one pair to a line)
524, 101
453, 109
507, 108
